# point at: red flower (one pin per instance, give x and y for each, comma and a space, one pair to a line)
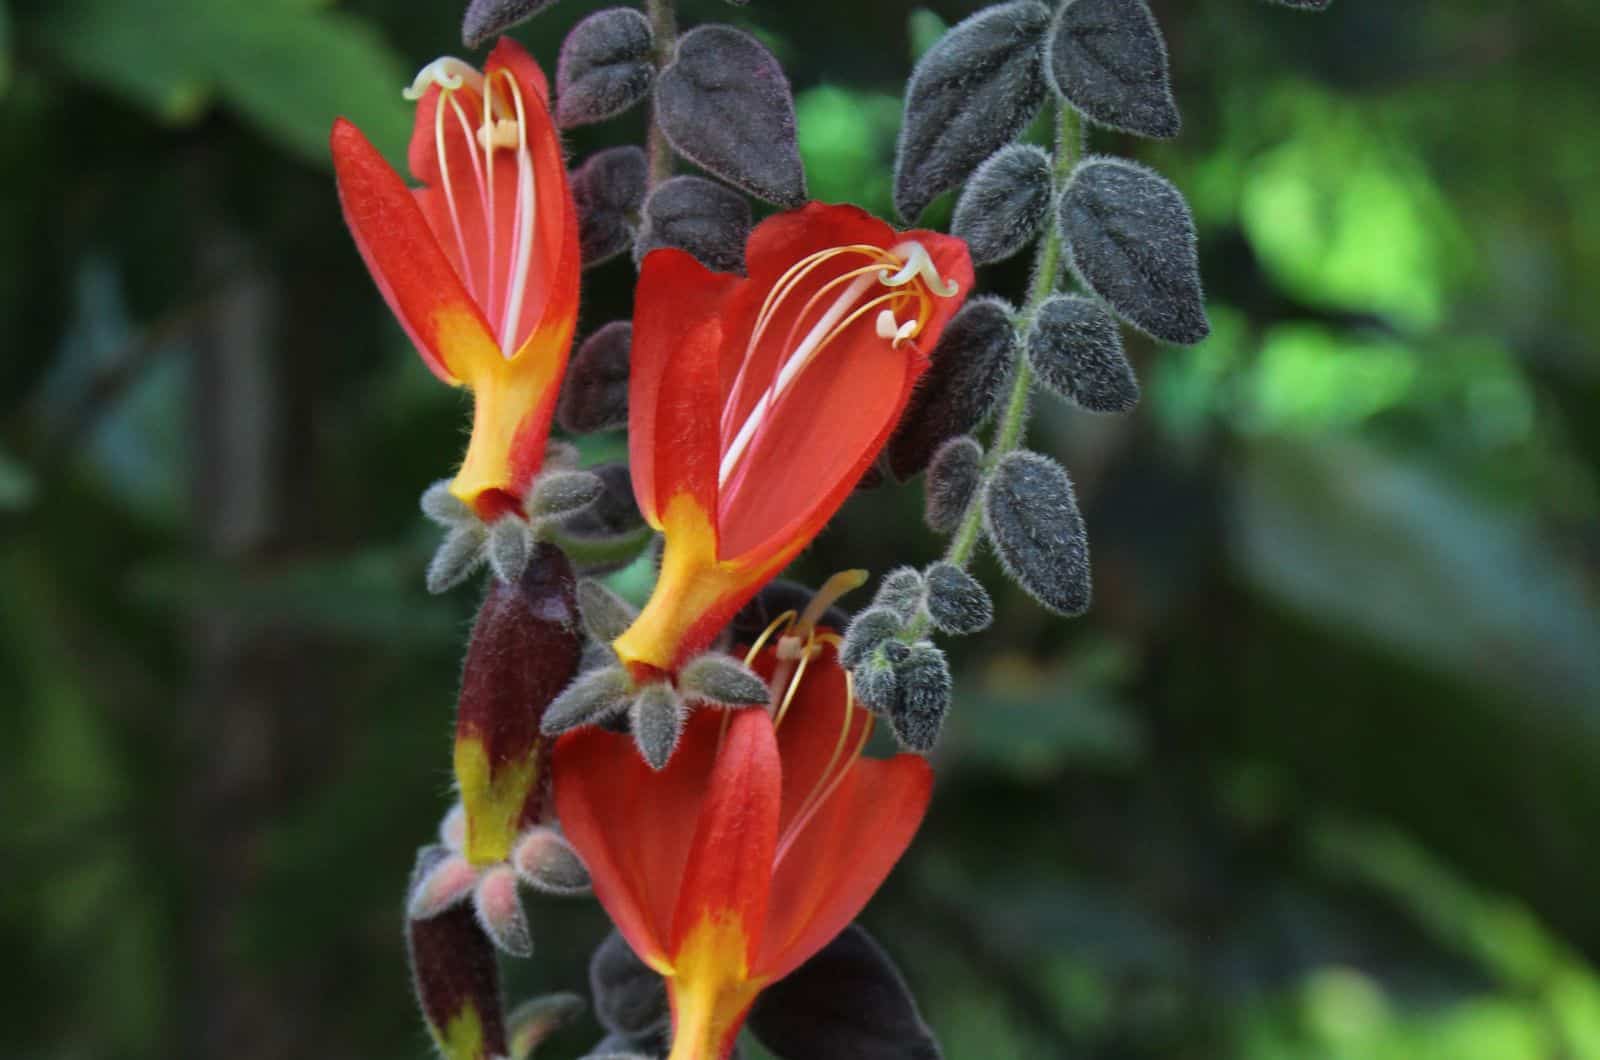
480, 264
757, 844
755, 405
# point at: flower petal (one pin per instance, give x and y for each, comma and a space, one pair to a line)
632, 825
729, 871
673, 394
842, 856
514, 57
820, 438
414, 274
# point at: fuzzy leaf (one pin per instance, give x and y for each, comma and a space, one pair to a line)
605, 67
1032, 519
1076, 350
657, 717
591, 698
458, 555
970, 371
499, 910
605, 614
922, 697
558, 493
594, 394
952, 476
723, 681
441, 880
901, 591
868, 630
490, 18
609, 191
970, 95
629, 996
725, 105
444, 508
1108, 59
700, 216
876, 685
1003, 205
1132, 242
957, 602
510, 545
848, 1002
545, 861
533, 1021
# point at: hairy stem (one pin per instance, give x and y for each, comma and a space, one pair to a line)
663, 17
1013, 422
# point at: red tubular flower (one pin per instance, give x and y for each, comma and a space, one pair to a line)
757, 844
480, 264
756, 405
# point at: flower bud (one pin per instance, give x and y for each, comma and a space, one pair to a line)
524, 650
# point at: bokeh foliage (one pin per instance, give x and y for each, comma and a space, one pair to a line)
1318, 777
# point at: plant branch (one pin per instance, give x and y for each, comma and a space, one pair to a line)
1012, 425
663, 17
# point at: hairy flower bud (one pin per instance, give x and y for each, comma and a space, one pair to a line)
524, 650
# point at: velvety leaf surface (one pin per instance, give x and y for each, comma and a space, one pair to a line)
1032, 519
1108, 59
1131, 240
605, 67
972, 94
725, 105
848, 1002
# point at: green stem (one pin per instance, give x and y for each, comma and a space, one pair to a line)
1013, 422
663, 17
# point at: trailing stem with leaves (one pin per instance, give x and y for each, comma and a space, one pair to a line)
699, 764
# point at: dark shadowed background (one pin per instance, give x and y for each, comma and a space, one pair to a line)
1318, 777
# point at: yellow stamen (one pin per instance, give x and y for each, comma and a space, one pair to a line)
766, 634
826, 784
836, 586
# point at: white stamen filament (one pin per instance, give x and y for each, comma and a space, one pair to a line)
791, 368
914, 263
522, 229
444, 179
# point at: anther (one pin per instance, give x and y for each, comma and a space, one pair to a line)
888, 326
505, 132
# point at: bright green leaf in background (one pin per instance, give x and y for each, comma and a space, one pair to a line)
285, 65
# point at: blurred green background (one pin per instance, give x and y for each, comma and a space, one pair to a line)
1319, 776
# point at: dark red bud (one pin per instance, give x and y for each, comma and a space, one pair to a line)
458, 984
524, 650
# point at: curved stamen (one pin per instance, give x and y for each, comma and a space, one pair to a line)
448, 72
918, 262
859, 280
779, 291
826, 784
